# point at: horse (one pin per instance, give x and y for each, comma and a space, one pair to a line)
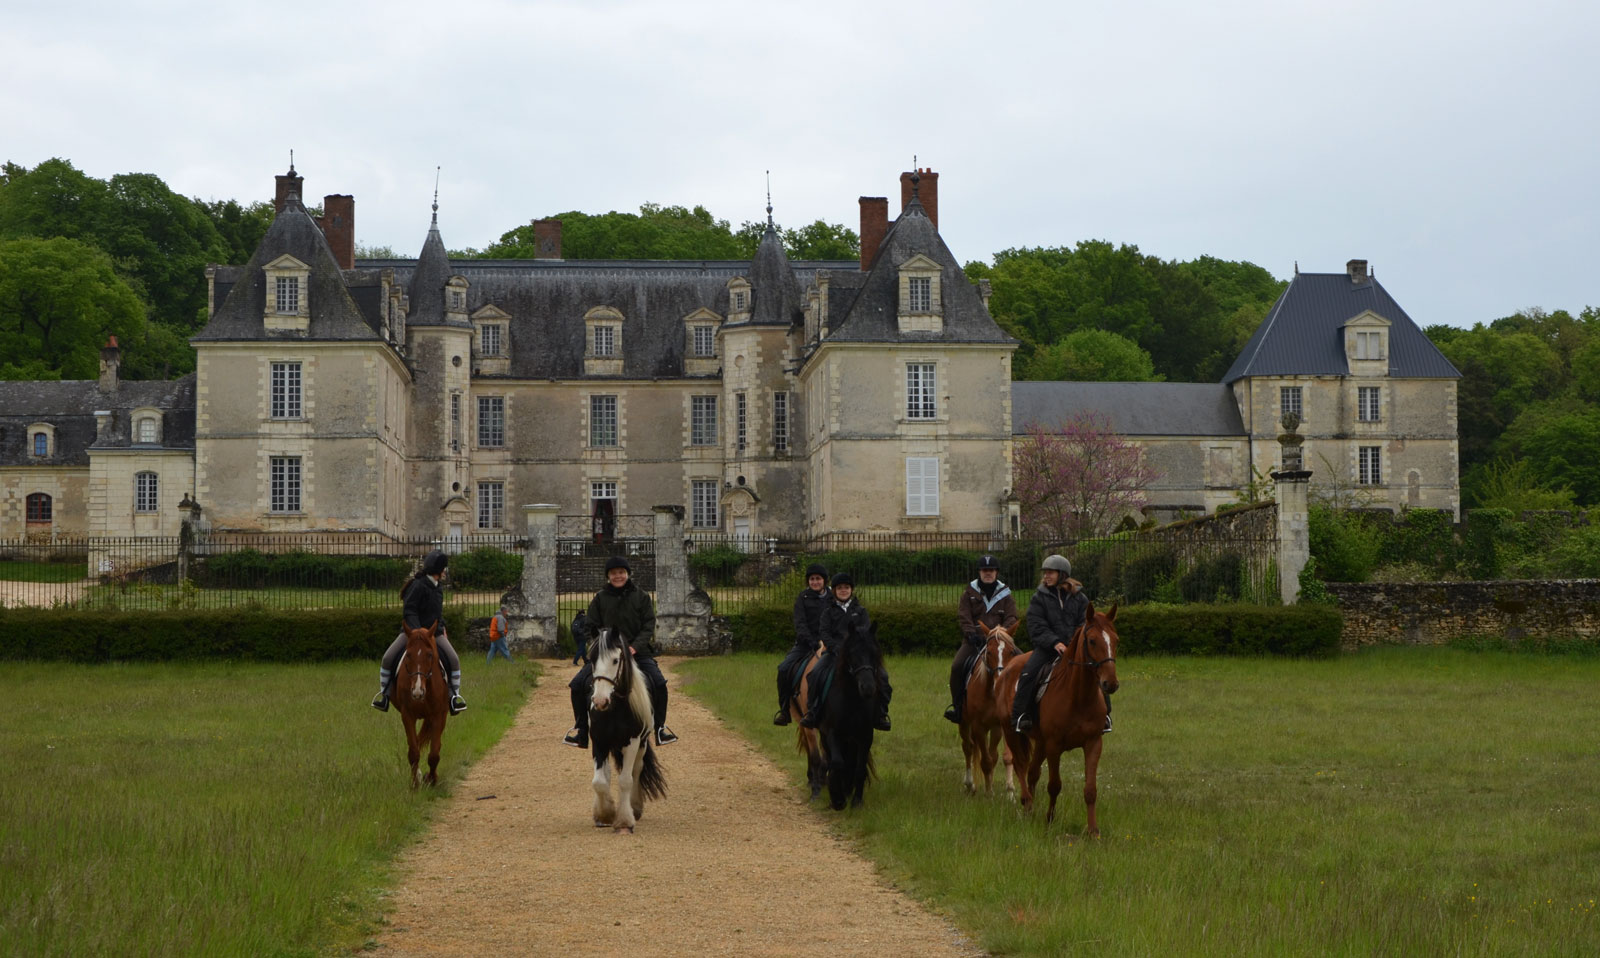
983, 721
1072, 713
806, 739
847, 715
620, 723
422, 695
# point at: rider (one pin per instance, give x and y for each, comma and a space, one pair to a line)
1055, 612
986, 601
423, 605
841, 616
808, 608
623, 606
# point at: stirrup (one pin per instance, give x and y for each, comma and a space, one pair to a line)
882, 723
809, 720
576, 738
782, 717
951, 715
1108, 724
664, 736
381, 702
1024, 723
457, 704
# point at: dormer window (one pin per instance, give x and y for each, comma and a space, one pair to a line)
489, 339
147, 426
288, 294
455, 295
920, 294
288, 301
41, 440
920, 297
41, 444
705, 340
605, 341
740, 296
1366, 341
1369, 345
740, 299
603, 331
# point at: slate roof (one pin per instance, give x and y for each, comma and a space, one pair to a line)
872, 315
1301, 335
775, 292
1135, 409
334, 314
70, 406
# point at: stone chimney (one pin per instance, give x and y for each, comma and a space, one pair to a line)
338, 222
110, 362
1357, 268
289, 182
927, 189
874, 226
546, 239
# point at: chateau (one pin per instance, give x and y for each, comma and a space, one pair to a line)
769, 398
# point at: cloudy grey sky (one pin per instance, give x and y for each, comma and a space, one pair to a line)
1452, 145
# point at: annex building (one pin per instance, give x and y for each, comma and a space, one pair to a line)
769, 398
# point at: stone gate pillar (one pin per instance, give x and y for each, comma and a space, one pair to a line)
1294, 512
683, 613
532, 605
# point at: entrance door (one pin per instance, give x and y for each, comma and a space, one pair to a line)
605, 519
741, 534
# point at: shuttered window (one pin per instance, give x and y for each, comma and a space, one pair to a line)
922, 486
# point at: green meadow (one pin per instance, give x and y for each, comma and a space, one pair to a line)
1405, 801
213, 808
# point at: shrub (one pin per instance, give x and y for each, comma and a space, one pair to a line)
252, 569
716, 565
1213, 580
1345, 546
486, 569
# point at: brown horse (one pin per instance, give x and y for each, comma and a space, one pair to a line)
421, 695
806, 739
1072, 713
983, 721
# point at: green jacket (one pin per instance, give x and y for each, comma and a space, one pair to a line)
629, 611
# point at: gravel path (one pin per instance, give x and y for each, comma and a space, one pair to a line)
731, 863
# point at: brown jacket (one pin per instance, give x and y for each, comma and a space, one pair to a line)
974, 608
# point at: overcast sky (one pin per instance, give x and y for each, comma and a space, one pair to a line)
1450, 144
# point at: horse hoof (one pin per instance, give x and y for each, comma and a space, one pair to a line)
599, 824
619, 830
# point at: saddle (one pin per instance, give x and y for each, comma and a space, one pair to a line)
1044, 680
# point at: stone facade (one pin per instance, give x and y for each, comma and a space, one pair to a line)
1433, 613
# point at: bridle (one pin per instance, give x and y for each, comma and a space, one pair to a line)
1081, 638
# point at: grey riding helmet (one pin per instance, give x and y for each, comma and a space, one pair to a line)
1058, 563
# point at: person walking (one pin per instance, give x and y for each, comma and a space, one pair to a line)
985, 601
498, 627
422, 604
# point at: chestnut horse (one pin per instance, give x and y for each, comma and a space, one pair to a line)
421, 695
983, 721
1072, 713
806, 739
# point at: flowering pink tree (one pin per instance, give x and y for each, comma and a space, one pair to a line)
1078, 479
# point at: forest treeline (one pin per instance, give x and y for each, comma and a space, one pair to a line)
82, 258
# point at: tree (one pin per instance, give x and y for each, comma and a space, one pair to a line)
1503, 372
1559, 441
819, 240
1078, 479
241, 227
59, 301
1091, 355
655, 232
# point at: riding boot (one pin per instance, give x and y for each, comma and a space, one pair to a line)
1027, 685
578, 735
884, 692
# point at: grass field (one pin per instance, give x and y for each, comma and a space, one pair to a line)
16, 570
1396, 802
212, 808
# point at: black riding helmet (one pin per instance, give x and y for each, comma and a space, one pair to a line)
434, 562
618, 562
843, 578
816, 568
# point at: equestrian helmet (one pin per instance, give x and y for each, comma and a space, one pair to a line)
844, 578
1059, 563
988, 562
816, 568
618, 562
434, 562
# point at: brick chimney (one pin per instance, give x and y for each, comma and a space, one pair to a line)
874, 226
927, 193
1357, 268
289, 182
110, 362
338, 222
546, 239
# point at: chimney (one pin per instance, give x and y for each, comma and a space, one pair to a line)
1357, 268
338, 222
288, 183
546, 239
874, 226
110, 360
927, 193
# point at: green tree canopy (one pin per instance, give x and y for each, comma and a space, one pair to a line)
59, 301
1091, 355
672, 232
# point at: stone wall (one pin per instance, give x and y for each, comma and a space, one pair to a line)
1432, 613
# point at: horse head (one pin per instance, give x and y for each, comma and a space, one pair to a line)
613, 667
860, 657
998, 647
422, 656
1100, 645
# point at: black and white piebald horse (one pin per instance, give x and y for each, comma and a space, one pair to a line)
620, 722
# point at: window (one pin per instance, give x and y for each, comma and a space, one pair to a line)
491, 505
458, 299
739, 299
39, 504
704, 501
41, 444
145, 487
489, 339
740, 418
1371, 473
705, 340
602, 420
922, 486
285, 484
605, 340
286, 391
702, 420
455, 422
921, 294
491, 420
919, 391
287, 299
1367, 403
603, 489
147, 430
1289, 401
780, 422
1369, 345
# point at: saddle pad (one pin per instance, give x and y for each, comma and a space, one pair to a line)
1044, 680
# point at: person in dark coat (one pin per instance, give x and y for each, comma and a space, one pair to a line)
841, 616
1055, 613
422, 604
623, 606
988, 601
808, 607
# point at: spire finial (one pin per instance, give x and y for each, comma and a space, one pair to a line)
916, 177
1297, 267
435, 197
291, 159
769, 198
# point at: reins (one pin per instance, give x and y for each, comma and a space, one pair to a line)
1081, 637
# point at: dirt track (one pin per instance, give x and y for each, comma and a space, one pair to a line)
731, 863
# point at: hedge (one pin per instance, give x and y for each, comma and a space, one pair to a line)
1195, 629
81, 636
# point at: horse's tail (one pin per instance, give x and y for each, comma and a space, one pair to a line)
651, 781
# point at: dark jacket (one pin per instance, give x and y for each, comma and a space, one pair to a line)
423, 604
808, 608
629, 611
838, 623
1001, 610
1055, 614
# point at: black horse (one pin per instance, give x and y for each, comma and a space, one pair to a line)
620, 722
847, 715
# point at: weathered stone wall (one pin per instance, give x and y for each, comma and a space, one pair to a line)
1432, 613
